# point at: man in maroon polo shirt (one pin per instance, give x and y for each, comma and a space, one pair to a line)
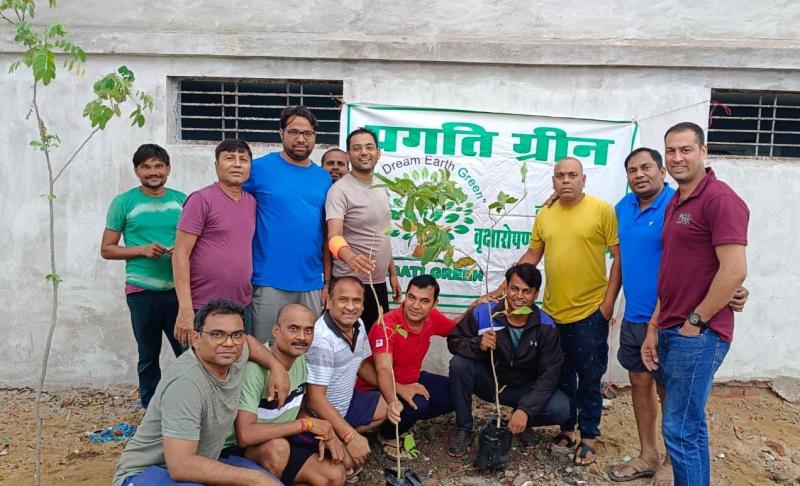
410, 329
703, 262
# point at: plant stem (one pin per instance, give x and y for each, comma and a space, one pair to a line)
54, 280
74, 154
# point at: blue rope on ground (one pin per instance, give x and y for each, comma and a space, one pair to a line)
118, 433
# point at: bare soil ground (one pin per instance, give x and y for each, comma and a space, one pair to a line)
755, 440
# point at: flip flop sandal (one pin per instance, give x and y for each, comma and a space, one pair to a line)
391, 451
570, 443
581, 452
641, 470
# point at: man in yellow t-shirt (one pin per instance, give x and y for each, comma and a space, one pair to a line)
572, 235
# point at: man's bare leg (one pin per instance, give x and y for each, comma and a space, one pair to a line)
272, 455
645, 409
664, 475
320, 473
377, 418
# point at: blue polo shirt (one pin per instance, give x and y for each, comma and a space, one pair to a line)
287, 246
640, 249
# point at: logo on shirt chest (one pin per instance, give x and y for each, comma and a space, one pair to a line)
684, 219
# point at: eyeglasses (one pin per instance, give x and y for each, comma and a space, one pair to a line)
219, 337
296, 133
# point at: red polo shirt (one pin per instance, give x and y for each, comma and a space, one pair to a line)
712, 215
408, 351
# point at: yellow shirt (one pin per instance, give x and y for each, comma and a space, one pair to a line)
575, 240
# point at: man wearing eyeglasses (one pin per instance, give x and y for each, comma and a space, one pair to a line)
184, 429
287, 248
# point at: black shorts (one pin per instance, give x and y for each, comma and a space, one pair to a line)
631, 337
299, 452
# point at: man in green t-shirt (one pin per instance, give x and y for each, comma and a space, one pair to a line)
146, 217
274, 436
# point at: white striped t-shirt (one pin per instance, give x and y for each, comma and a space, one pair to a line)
332, 362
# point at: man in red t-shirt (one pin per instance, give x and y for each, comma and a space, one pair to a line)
703, 262
409, 329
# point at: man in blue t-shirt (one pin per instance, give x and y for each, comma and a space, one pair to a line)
641, 218
287, 248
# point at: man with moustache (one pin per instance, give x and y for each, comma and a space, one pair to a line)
146, 217
358, 216
572, 235
184, 429
287, 249
334, 161
212, 257
270, 434
337, 357
527, 355
703, 262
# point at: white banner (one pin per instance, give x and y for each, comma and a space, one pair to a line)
484, 153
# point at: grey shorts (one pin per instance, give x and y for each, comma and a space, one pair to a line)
631, 337
268, 301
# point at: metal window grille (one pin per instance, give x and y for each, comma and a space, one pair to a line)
215, 109
754, 123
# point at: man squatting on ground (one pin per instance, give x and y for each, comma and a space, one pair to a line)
528, 360
285, 440
290, 193
337, 356
146, 217
703, 262
193, 409
641, 220
409, 329
357, 216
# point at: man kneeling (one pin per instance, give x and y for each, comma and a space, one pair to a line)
527, 355
287, 446
192, 410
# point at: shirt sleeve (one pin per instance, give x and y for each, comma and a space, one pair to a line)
193, 217
253, 386
335, 204
610, 225
115, 218
377, 341
728, 218
181, 410
537, 241
319, 361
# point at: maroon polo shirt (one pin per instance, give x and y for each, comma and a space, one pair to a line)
713, 215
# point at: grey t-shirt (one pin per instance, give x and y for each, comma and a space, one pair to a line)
189, 403
364, 209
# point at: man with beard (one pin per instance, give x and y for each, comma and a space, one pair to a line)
703, 262
287, 249
271, 435
358, 216
212, 257
334, 161
527, 355
146, 217
336, 358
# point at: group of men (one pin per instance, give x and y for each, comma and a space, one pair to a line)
284, 263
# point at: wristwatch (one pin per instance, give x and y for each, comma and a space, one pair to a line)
696, 320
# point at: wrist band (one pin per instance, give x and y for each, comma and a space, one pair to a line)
302, 425
335, 244
349, 437
652, 324
309, 423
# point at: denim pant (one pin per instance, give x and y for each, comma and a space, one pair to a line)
468, 376
688, 365
585, 346
438, 387
152, 312
159, 476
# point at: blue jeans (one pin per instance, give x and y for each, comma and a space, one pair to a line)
468, 376
152, 312
159, 476
438, 387
585, 346
688, 365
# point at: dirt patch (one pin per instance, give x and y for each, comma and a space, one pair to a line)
755, 440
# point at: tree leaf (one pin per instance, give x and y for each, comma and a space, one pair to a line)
401, 332
409, 444
522, 311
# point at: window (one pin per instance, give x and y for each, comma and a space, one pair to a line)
214, 109
754, 123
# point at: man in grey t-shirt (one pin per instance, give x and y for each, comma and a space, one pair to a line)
359, 213
193, 408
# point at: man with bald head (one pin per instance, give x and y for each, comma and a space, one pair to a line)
283, 439
572, 235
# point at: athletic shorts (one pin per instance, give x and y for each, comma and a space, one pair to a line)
299, 452
362, 407
631, 337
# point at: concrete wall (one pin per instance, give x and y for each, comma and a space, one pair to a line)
615, 61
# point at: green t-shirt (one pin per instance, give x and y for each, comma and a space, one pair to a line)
254, 389
142, 220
